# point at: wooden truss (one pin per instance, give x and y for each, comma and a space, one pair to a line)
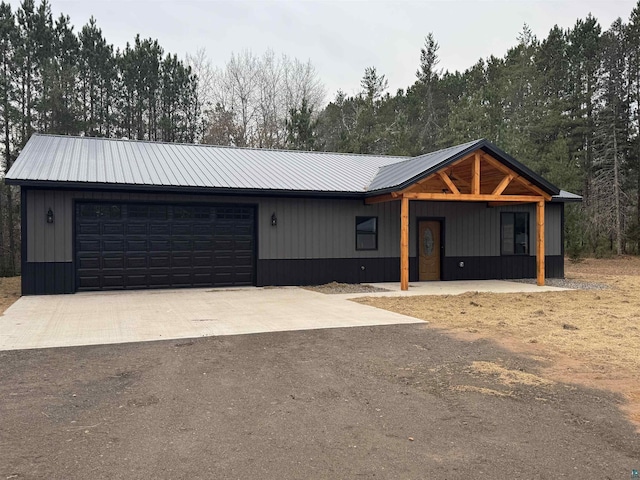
478, 177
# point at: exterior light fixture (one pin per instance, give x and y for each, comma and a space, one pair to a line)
274, 219
50, 216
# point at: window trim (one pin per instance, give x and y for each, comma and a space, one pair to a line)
361, 219
527, 223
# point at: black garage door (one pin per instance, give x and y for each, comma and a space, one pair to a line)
132, 245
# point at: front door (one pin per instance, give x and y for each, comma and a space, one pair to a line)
429, 250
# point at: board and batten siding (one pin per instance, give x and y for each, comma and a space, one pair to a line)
307, 228
472, 229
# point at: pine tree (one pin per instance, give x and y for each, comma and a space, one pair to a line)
301, 127
8, 39
611, 139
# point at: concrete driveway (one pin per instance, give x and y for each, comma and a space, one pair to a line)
136, 316
145, 315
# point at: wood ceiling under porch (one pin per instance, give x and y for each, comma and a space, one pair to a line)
477, 177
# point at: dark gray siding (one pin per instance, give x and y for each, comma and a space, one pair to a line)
473, 229
313, 242
307, 228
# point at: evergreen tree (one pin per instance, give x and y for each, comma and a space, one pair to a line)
301, 128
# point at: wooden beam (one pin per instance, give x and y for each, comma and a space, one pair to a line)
445, 178
464, 197
540, 242
389, 197
506, 204
475, 174
404, 244
503, 184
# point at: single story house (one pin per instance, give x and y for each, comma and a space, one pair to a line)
101, 214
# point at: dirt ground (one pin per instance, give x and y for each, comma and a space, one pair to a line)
9, 292
393, 402
495, 386
591, 336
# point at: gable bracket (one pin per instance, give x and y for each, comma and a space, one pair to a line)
445, 178
503, 185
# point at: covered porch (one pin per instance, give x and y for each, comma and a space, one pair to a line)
477, 176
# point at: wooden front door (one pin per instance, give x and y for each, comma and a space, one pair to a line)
429, 250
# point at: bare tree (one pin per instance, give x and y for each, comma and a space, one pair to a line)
203, 70
257, 94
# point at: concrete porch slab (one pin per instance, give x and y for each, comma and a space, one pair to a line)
455, 287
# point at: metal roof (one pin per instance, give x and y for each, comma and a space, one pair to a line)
399, 173
565, 196
87, 160
52, 160
402, 174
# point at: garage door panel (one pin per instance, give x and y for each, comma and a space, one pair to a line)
89, 262
202, 245
136, 245
137, 262
109, 245
112, 229
159, 229
159, 245
137, 229
86, 245
181, 261
88, 228
139, 280
181, 229
181, 245
113, 281
159, 280
89, 281
202, 261
113, 262
155, 246
181, 279
159, 261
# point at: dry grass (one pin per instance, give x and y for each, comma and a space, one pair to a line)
482, 390
592, 337
508, 377
9, 292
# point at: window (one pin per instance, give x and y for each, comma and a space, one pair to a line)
366, 233
91, 210
515, 233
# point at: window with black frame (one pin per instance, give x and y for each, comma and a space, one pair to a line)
366, 233
514, 233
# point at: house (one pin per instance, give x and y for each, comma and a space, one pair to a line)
102, 214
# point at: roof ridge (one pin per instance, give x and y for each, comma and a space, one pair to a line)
432, 153
230, 147
396, 164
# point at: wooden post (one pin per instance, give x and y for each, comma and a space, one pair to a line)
475, 172
540, 242
404, 244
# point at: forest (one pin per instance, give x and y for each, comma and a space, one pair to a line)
565, 105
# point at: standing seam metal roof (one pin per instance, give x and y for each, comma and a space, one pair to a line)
104, 161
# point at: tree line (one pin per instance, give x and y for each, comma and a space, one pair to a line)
54, 80
565, 105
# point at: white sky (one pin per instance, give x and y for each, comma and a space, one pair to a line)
340, 38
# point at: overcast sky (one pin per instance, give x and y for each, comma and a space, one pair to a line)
340, 38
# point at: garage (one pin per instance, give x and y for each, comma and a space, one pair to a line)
156, 245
